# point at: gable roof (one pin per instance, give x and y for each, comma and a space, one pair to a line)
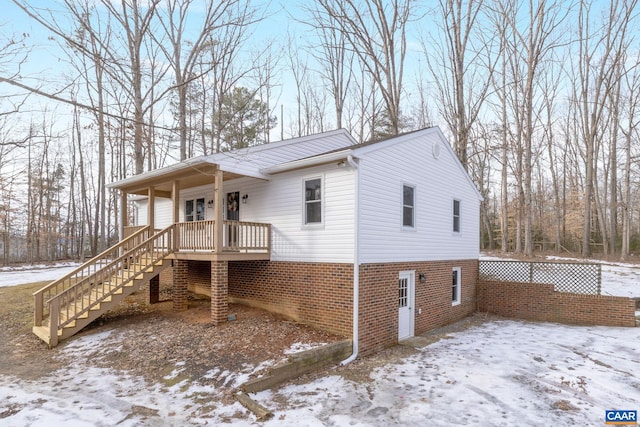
361, 150
250, 161
261, 161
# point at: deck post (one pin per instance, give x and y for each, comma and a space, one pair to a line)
154, 290
123, 214
175, 200
219, 292
180, 282
54, 320
217, 211
151, 211
38, 309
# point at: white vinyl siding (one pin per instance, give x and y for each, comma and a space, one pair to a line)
383, 172
162, 212
280, 202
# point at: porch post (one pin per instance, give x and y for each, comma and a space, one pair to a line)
219, 292
175, 199
217, 212
123, 214
151, 214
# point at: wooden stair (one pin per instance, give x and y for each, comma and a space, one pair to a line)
69, 304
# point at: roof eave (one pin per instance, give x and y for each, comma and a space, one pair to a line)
308, 162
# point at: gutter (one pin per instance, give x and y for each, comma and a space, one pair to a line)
356, 264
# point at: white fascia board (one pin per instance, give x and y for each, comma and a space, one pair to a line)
308, 162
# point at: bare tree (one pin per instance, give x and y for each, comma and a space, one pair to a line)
630, 131
527, 50
462, 70
173, 19
376, 32
335, 57
600, 52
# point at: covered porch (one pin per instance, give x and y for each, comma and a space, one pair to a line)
194, 238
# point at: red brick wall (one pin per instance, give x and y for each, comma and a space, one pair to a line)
378, 308
180, 289
533, 301
317, 294
198, 277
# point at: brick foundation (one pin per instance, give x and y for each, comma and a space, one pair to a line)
321, 294
219, 291
378, 308
317, 294
539, 302
180, 284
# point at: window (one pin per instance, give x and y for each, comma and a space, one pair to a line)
313, 201
455, 286
403, 288
408, 205
456, 216
194, 210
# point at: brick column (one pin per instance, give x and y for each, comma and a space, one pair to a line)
219, 292
154, 290
180, 270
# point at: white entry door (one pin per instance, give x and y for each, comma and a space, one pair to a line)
406, 302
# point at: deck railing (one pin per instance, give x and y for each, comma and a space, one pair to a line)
246, 236
131, 229
237, 236
87, 269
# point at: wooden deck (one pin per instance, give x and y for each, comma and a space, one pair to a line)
65, 306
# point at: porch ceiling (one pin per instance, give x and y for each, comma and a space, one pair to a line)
189, 174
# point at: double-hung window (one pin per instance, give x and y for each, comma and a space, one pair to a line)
456, 287
313, 201
408, 206
456, 216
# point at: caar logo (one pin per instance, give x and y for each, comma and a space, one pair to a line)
621, 418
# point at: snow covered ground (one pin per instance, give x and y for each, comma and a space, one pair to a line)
501, 373
11, 276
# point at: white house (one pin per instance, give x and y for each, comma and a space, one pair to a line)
375, 241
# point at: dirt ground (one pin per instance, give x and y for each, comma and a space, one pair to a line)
157, 337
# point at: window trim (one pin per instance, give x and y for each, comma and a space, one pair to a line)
305, 223
456, 217
457, 271
411, 227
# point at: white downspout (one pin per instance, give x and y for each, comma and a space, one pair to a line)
356, 262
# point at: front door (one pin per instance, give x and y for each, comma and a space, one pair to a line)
406, 301
233, 214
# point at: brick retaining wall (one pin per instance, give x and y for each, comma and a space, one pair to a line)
534, 301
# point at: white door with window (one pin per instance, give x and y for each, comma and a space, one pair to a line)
406, 302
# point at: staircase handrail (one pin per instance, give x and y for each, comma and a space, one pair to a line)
108, 271
66, 281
